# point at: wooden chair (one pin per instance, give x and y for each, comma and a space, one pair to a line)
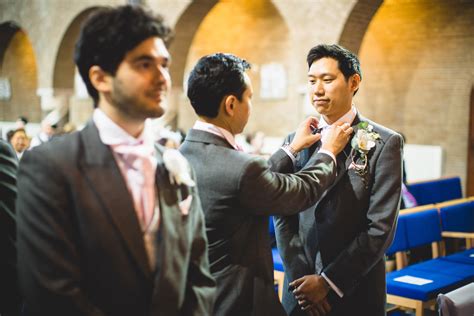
457, 219
422, 227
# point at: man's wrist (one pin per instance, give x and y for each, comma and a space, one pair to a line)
327, 287
290, 148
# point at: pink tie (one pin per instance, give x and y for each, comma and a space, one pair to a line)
137, 158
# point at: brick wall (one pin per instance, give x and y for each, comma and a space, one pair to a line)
418, 66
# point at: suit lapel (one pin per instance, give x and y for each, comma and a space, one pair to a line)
170, 235
105, 178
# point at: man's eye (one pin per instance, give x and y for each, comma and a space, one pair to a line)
144, 65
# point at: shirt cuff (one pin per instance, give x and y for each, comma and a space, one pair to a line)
293, 159
327, 152
332, 285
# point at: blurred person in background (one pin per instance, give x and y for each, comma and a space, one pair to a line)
19, 141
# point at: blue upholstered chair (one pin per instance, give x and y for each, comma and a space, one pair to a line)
436, 191
399, 244
417, 286
457, 219
466, 257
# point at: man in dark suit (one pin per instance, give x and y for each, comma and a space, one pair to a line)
9, 295
333, 252
106, 223
238, 191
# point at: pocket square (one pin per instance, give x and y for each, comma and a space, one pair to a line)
185, 204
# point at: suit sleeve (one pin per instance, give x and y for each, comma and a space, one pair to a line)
9, 296
290, 245
48, 256
369, 246
201, 287
281, 162
265, 192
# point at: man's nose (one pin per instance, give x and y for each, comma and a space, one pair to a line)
162, 75
318, 88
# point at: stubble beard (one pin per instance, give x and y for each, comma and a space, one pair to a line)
132, 106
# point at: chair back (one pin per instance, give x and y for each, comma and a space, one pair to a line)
436, 191
458, 217
422, 227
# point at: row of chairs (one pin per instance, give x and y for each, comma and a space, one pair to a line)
416, 286
436, 190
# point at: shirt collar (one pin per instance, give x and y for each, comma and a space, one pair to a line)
216, 130
111, 134
346, 118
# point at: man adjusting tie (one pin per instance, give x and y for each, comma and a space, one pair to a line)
238, 191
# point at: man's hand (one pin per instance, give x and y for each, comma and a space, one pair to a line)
304, 135
319, 309
337, 137
310, 289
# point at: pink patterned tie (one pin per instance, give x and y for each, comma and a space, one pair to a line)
141, 179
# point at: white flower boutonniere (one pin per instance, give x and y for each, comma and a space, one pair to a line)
178, 168
362, 143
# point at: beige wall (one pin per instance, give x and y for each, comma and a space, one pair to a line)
418, 66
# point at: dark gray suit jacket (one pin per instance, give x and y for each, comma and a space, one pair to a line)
351, 226
9, 296
238, 192
81, 249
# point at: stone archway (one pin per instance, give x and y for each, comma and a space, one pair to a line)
252, 29
357, 23
64, 76
184, 31
18, 70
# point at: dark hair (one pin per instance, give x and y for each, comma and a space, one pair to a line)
23, 119
12, 133
109, 33
214, 77
348, 62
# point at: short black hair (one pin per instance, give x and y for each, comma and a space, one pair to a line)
348, 62
109, 33
214, 77
23, 119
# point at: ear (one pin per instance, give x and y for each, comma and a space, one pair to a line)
100, 79
229, 104
354, 82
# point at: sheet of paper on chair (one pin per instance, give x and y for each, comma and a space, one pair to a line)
412, 280
471, 255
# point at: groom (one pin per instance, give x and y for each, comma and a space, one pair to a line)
105, 227
333, 252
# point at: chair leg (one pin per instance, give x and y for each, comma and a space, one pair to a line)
442, 246
435, 249
420, 311
400, 260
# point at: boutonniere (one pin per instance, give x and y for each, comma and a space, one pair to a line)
363, 141
178, 168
